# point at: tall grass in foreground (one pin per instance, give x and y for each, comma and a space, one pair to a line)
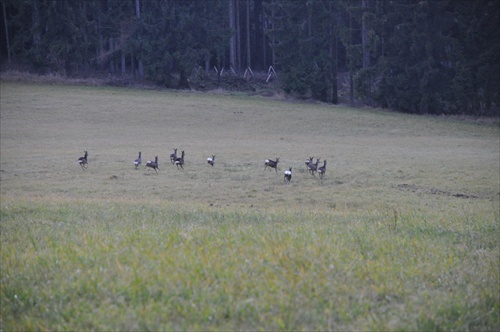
86, 265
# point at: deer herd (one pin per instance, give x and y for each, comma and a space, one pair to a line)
178, 161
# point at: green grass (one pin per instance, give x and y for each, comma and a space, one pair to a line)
402, 234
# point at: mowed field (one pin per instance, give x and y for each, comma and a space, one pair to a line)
400, 234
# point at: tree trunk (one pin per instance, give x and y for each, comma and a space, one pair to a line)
132, 64
232, 40
364, 34
273, 41
85, 64
183, 81
237, 65
249, 62
123, 63
332, 49
351, 65
351, 87
6, 31
309, 20
111, 62
263, 31
207, 63
100, 50
37, 36
140, 68
111, 45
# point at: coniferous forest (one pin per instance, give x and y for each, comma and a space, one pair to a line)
415, 56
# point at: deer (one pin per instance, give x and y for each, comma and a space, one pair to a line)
153, 164
180, 161
83, 160
288, 175
211, 161
308, 161
322, 170
137, 162
272, 164
173, 156
313, 167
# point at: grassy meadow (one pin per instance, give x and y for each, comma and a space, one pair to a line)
401, 234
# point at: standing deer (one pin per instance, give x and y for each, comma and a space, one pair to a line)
137, 162
180, 161
288, 175
322, 170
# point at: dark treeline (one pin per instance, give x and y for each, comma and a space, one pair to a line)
418, 56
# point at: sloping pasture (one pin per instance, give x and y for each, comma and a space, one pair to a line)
400, 234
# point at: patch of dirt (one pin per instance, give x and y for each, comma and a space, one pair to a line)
431, 191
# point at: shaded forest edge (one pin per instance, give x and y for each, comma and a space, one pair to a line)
251, 87
422, 57
258, 84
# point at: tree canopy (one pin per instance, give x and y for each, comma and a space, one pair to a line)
417, 56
